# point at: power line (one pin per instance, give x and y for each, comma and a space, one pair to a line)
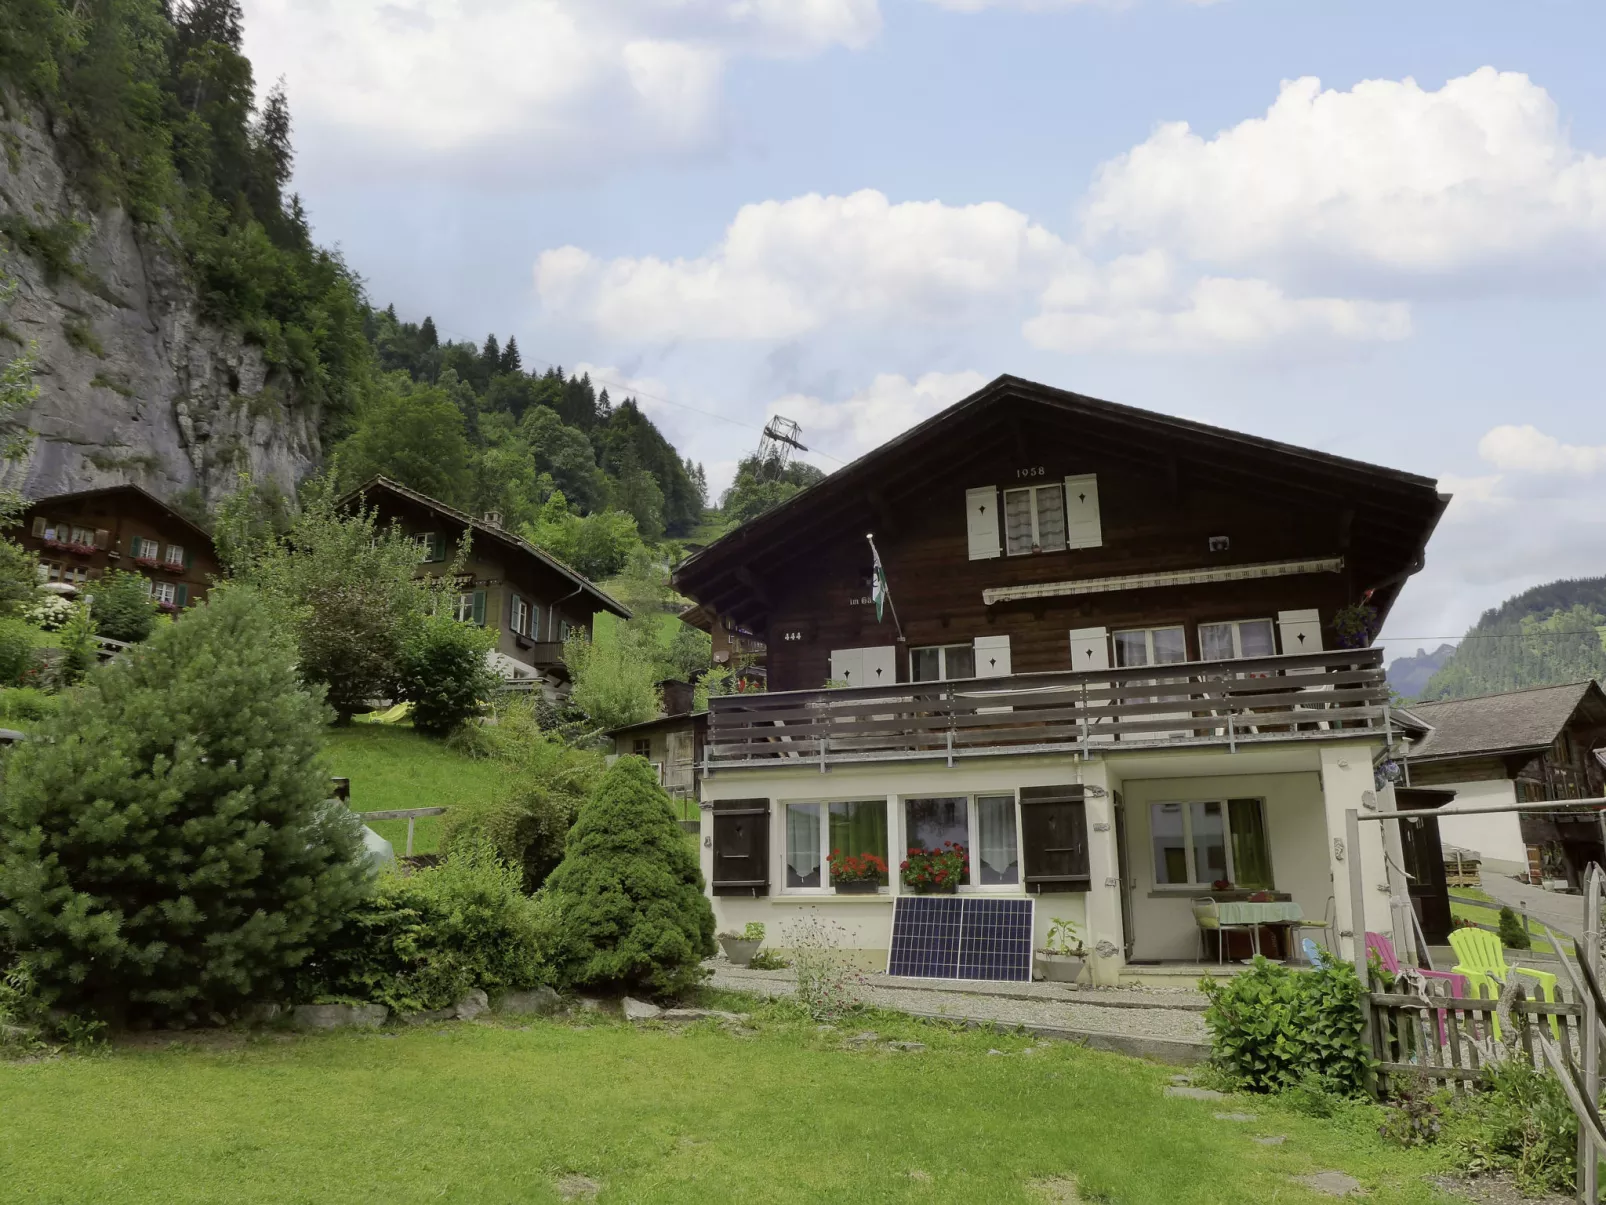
1512, 636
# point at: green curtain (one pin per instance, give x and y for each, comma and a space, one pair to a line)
1251, 855
860, 828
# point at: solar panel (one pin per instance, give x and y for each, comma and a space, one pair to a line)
961, 937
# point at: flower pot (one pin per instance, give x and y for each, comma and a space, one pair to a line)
857, 887
1059, 968
739, 950
936, 889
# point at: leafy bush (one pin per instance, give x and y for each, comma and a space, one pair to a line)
17, 642
827, 980
1416, 1111
166, 848
19, 575
27, 704
122, 607
423, 941
1271, 1027
48, 611
1513, 935
630, 891
78, 646
1520, 1122
616, 679
444, 674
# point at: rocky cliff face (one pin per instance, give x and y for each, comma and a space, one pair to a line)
133, 385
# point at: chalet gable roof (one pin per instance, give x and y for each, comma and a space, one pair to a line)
497, 535
1393, 511
127, 489
1512, 722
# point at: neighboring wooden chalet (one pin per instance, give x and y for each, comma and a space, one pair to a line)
733, 645
1112, 669
674, 745
79, 536
1523, 746
532, 599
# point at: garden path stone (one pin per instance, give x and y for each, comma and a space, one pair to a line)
1332, 1184
1188, 1093
702, 1014
640, 1010
910, 1047
337, 1016
471, 1006
542, 1001
1272, 1140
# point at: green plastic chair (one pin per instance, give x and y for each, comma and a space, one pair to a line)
1482, 959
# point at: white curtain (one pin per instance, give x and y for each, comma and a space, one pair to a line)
995, 818
803, 845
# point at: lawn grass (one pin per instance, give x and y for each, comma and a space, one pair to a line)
491, 1113
1490, 915
392, 767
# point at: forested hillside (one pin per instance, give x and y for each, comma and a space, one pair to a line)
1552, 633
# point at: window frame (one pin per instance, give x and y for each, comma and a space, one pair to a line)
942, 663
636, 750
972, 831
147, 549
826, 888
1037, 548
1148, 645
165, 593
462, 599
174, 561
1194, 885
519, 617
1237, 635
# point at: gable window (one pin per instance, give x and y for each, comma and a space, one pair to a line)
431, 547
1151, 646
175, 555
1034, 519
984, 826
815, 830
1237, 640
942, 663
1198, 843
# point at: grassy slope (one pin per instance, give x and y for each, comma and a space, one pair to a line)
482, 1114
393, 767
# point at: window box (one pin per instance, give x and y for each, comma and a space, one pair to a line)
857, 887
148, 562
57, 545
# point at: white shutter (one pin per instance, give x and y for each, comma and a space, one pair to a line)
992, 657
981, 518
1090, 648
847, 665
1299, 631
1082, 527
880, 665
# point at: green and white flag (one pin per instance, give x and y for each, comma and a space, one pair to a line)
878, 583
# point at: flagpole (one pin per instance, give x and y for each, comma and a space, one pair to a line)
875, 555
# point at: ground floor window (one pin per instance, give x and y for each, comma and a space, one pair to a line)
815, 830
1200, 843
984, 826
165, 592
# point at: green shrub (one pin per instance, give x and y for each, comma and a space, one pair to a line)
630, 892
27, 704
122, 607
423, 941
1272, 1028
19, 577
1520, 1122
79, 647
166, 848
17, 642
1513, 935
443, 673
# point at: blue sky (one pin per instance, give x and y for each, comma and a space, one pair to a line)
854, 211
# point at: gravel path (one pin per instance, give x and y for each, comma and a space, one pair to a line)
1131, 1012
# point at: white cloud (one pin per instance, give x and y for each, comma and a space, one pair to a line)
1039, 6
1526, 449
535, 79
1479, 172
785, 268
887, 407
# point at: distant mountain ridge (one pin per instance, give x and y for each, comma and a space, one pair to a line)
1546, 635
1409, 676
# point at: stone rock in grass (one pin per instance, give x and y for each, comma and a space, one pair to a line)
577, 1188
262, 1014
860, 1039
1182, 1080
1235, 1116
908, 1047
338, 1016
1272, 1140
1332, 1184
640, 1010
590, 1004
541, 1001
995, 1052
1187, 1093
702, 1014
471, 1006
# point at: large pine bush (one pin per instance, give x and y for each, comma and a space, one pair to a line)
166, 851
629, 890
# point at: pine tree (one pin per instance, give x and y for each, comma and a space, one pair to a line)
511, 361
491, 357
274, 132
630, 890
426, 333
169, 853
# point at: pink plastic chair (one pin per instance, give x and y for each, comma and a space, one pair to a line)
1377, 943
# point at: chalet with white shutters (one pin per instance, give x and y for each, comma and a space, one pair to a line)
1125, 668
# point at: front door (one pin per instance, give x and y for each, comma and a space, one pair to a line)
1424, 863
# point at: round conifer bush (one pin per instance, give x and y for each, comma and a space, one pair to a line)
167, 851
629, 891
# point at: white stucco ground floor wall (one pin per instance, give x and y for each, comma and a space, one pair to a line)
1497, 836
1306, 787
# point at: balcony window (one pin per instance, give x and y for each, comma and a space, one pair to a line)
1237, 640
147, 550
1152, 646
1197, 844
942, 663
1034, 519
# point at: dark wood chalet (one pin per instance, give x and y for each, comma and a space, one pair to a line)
80, 536
532, 599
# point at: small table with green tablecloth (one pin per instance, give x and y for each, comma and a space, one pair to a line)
1273, 918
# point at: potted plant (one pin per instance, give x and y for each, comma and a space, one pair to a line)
1063, 954
857, 874
936, 871
740, 947
1355, 626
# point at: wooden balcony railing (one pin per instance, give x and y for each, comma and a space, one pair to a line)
1308, 696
